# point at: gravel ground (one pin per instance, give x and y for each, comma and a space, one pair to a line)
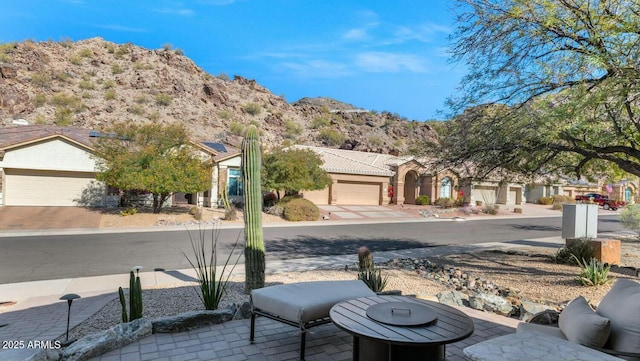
536, 276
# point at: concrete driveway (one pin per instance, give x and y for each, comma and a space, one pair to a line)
21, 218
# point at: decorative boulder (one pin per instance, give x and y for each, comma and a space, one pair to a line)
191, 320
491, 303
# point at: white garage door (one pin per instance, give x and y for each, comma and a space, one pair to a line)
320, 198
48, 188
358, 193
485, 194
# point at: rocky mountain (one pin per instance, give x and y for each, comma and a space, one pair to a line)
93, 83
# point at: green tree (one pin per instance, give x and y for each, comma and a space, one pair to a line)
552, 87
152, 157
293, 170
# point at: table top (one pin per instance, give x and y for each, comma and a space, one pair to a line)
450, 326
533, 346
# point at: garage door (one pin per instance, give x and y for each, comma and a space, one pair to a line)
320, 198
49, 188
485, 194
358, 193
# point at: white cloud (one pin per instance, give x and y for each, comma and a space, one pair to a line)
126, 29
318, 69
175, 11
355, 34
382, 62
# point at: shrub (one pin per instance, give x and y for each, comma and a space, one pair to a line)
41, 79
491, 209
163, 99
547, 201
116, 69
85, 53
63, 116
630, 218
39, 100
129, 211
300, 209
252, 108
423, 200
557, 198
292, 128
320, 122
110, 94
196, 212
108, 84
593, 273
269, 200
444, 202
236, 128
87, 85
575, 250
331, 137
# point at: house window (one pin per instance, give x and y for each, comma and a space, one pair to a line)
445, 188
235, 182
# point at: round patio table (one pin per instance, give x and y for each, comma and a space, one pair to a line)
373, 340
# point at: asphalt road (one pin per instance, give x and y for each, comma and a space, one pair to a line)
32, 258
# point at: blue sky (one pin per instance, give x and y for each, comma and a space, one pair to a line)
374, 54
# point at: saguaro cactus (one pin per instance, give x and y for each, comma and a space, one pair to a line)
254, 242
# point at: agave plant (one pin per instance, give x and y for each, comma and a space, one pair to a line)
593, 273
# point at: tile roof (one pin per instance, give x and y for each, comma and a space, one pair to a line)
354, 162
24, 134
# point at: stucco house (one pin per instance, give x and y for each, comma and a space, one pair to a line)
45, 165
361, 178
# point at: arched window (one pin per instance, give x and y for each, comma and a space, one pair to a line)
445, 188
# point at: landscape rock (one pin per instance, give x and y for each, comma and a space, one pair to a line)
528, 309
453, 298
242, 311
191, 320
113, 338
491, 303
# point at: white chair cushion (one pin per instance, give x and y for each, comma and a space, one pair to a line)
307, 301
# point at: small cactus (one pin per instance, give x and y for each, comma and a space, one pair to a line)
365, 259
135, 299
368, 273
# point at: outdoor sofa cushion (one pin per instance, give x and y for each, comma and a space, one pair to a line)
622, 306
307, 301
581, 324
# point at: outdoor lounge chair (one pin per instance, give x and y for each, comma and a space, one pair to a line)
304, 304
613, 329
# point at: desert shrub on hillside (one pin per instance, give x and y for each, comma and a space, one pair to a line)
300, 209
163, 99
320, 122
252, 108
331, 137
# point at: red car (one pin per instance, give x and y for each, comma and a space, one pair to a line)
601, 200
